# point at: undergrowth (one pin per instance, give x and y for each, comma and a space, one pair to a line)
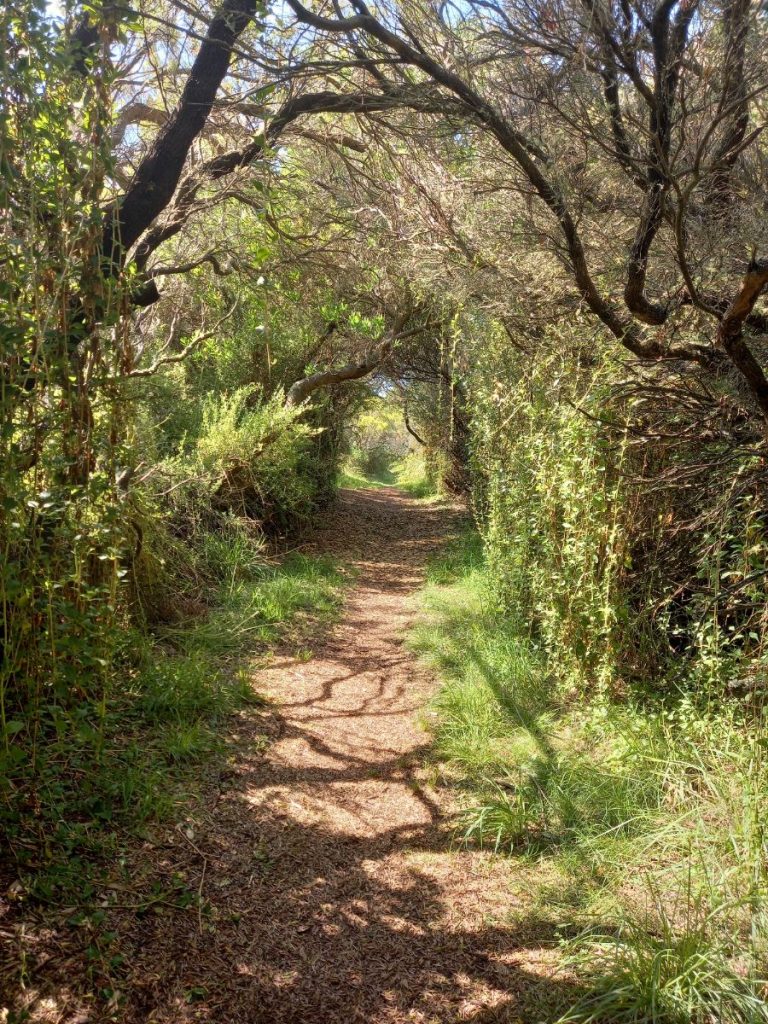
357, 479
68, 812
650, 814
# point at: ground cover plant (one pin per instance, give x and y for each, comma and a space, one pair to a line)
649, 816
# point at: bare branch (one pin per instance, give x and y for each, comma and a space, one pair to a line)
300, 391
178, 357
730, 334
159, 172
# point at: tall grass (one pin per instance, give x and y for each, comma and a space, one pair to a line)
662, 973
651, 815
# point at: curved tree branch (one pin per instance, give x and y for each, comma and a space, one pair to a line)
300, 391
158, 174
730, 333
514, 142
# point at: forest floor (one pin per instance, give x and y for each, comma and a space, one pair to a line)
330, 888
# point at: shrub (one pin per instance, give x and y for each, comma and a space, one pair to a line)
634, 804
644, 976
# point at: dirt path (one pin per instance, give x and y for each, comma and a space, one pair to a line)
334, 892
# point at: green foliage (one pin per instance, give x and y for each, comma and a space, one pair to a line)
168, 713
664, 977
252, 451
552, 514
624, 584
419, 475
650, 816
246, 460
255, 612
62, 530
380, 452
375, 439
251, 476
134, 496
357, 480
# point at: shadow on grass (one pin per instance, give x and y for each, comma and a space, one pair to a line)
503, 729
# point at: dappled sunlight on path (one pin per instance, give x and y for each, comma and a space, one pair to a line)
330, 886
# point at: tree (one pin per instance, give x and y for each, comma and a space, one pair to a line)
664, 100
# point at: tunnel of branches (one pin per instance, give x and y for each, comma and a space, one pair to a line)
508, 255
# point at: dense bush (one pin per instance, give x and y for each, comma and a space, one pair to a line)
552, 513
603, 706
633, 559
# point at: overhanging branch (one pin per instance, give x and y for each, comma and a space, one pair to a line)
299, 392
731, 336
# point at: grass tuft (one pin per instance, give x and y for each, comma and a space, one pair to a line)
644, 976
257, 613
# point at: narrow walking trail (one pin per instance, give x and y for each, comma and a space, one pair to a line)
334, 892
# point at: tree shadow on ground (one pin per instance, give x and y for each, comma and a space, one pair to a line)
305, 923
298, 921
307, 905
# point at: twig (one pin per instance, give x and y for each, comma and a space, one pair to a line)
177, 357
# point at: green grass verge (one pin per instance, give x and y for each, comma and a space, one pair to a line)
359, 481
408, 474
101, 779
643, 821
